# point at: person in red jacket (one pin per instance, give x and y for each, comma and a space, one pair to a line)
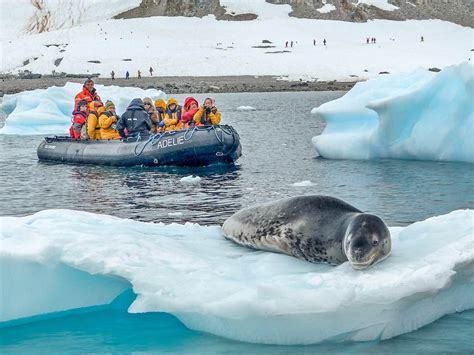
78, 120
88, 93
191, 106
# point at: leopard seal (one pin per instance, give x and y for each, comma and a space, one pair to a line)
314, 228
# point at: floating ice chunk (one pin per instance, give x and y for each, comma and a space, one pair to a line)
191, 179
420, 115
303, 183
216, 286
246, 108
175, 214
48, 111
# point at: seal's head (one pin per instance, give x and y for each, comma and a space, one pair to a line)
367, 241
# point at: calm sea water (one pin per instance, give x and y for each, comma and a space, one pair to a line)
277, 152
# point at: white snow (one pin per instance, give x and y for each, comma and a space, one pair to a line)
216, 286
142, 40
304, 183
19, 17
246, 108
326, 8
381, 4
261, 8
190, 179
48, 111
420, 115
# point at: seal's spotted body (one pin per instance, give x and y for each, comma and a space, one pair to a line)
314, 228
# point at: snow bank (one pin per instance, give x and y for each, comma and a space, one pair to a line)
261, 8
20, 17
326, 8
133, 45
47, 111
420, 115
216, 286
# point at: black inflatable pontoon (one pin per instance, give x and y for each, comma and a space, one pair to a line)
199, 146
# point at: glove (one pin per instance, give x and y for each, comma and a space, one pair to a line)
208, 109
162, 124
214, 109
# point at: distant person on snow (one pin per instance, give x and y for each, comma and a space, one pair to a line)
78, 120
172, 121
151, 71
107, 122
367, 40
191, 106
93, 128
324, 41
291, 44
127, 75
422, 39
112, 74
286, 44
88, 93
207, 114
314, 42
135, 120
139, 74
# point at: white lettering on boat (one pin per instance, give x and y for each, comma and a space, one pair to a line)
49, 146
169, 142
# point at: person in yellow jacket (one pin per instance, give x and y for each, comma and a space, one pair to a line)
207, 114
95, 110
107, 121
172, 120
160, 106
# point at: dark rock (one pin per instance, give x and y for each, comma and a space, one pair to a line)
267, 41
276, 52
263, 46
384, 72
58, 61
94, 61
127, 60
436, 70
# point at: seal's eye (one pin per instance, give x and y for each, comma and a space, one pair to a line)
375, 242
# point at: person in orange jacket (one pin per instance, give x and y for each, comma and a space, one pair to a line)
87, 93
93, 128
207, 114
160, 106
172, 120
107, 121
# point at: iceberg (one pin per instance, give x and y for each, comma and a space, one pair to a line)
419, 116
48, 111
216, 286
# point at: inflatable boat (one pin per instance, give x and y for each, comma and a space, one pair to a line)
197, 146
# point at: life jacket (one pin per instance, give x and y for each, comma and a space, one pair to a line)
177, 112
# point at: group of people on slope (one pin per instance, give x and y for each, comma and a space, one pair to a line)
94, 120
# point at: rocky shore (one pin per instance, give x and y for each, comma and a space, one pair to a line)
182, 84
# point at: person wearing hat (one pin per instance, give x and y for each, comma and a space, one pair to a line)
135, 120
149, 106
95, 110
191, 106
172, 118
79, 119
160, 106
107, 121
87, 93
